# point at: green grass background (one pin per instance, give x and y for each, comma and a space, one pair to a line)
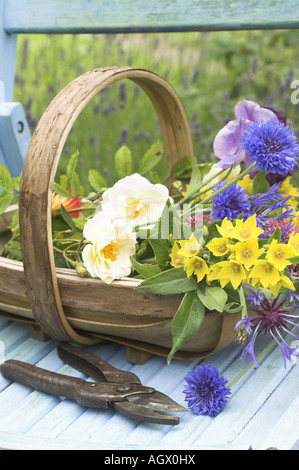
210, 71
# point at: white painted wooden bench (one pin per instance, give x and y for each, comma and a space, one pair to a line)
263, 411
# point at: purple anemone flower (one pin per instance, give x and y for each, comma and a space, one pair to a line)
206, 391
273, 317
227, 143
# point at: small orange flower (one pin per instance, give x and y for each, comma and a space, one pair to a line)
69, 203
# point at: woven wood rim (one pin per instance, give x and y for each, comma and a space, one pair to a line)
39, 172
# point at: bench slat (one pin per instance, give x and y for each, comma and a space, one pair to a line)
84, 16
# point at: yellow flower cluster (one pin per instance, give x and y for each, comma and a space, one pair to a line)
185, 253
247, 262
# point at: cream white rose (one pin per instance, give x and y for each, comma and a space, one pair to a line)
135, 200
108, 255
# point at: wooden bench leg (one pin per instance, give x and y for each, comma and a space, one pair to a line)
136, 356
37, 333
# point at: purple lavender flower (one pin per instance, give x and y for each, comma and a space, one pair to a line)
206, 391
227, 143
272, 317
272, 145
231, 203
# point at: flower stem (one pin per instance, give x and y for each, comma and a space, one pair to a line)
228, 185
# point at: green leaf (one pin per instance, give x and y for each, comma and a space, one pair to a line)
64, 182
194, 184
96, 180
160, 249
172, 281
151, 158
61, 191
213, 298
72, 164
294, 259
180, 167
204, 168
17, 182
123, 161
146, 270
275, 236
154, 177
6, 181
5, 200
68, 219
187, 321
75, 184
260, 184
232, 307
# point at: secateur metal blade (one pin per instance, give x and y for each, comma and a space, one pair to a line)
142, 405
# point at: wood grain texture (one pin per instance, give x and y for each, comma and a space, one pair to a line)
116, 312
98, 16
38, 176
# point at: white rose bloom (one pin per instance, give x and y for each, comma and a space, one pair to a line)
108, 254
135, 200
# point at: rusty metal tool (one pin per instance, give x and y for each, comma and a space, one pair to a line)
119, 389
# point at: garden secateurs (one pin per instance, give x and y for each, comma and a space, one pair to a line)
115, 388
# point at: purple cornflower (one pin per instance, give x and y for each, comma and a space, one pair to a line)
266, 205
206, 391
272, 145
254, 297
273, 317
231, 203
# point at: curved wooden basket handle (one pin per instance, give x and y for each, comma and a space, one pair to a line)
39, 172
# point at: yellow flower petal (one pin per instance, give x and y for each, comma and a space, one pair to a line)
278, 254
189, 247
226, 227
196, 266
247, 252
218, 246
294, 242
283, 282
246, 183
247, 230
231, 271
265, 272
177, 256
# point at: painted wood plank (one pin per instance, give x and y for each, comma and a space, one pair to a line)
83, 16
14, 136
8, 52
263, 401
193, 428
276, 423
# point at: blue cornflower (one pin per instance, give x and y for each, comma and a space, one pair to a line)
254, 297
266, 205
273, 317
231, 203
206, 391
272, 145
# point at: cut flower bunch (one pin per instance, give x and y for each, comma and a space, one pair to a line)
225, 235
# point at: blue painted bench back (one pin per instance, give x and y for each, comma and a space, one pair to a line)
115, 16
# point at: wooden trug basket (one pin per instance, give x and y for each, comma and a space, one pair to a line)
57, 302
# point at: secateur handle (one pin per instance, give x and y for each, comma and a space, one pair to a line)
88, 394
